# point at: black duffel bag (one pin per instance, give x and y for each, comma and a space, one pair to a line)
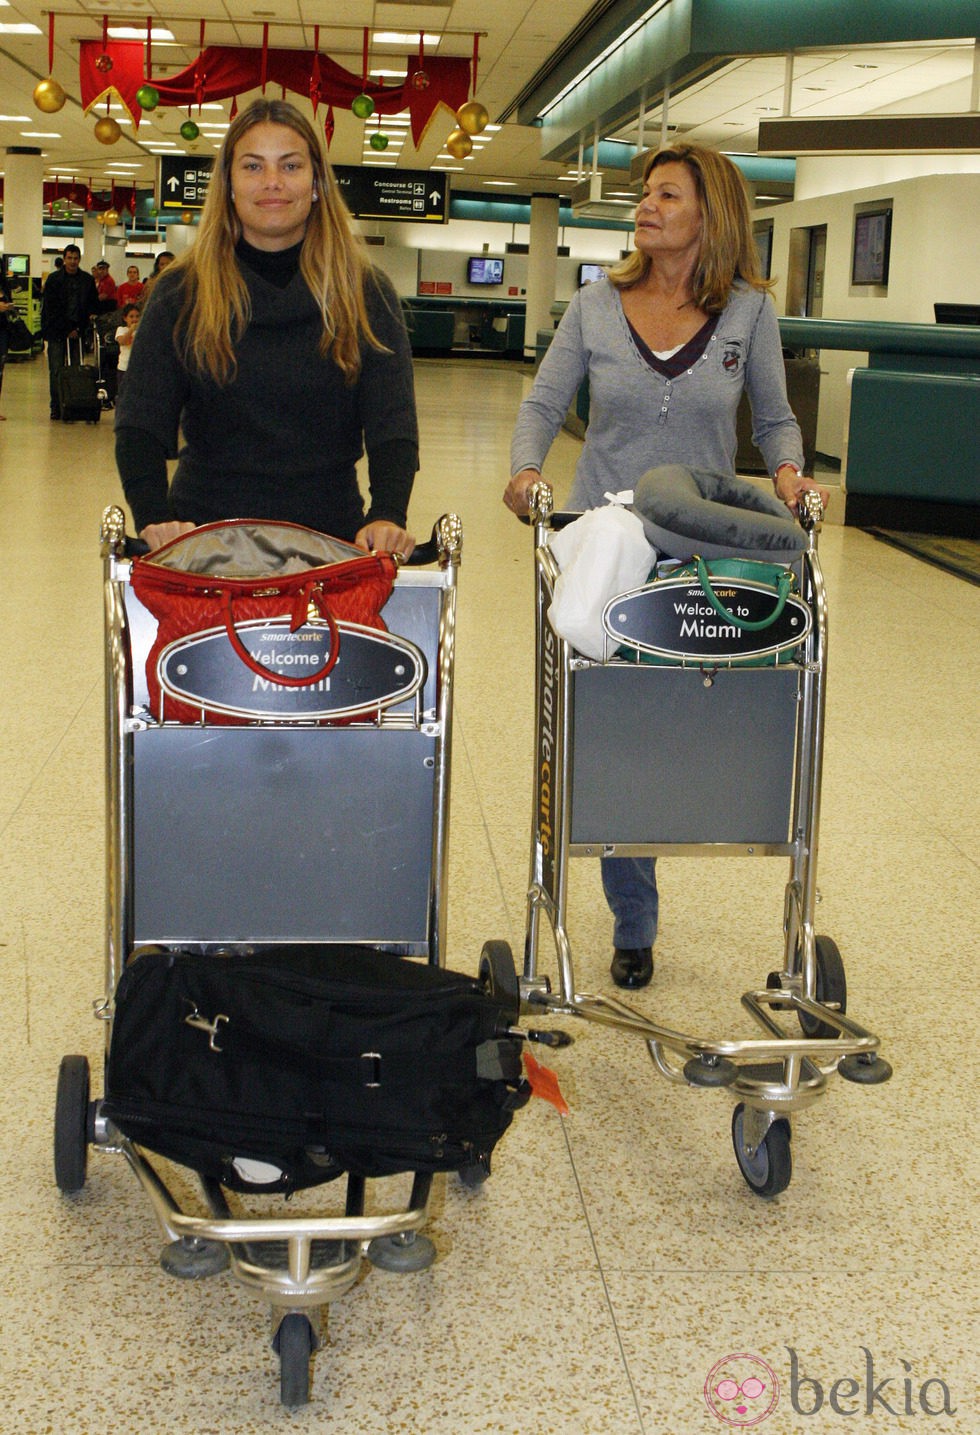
283, 1068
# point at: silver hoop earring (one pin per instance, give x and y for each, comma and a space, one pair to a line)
316, 194
231, 195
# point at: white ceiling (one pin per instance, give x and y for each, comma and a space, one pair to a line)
517, 39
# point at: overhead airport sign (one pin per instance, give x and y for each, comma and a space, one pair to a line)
184, 180
410, 194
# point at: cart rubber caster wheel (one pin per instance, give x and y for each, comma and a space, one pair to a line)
769, 1168
295, 1343
476, 1173
498, 976
831, 988
402, 1254
71, 1124
864, 1068
194, 1259
710, 1071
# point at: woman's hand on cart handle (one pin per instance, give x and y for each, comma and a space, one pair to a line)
790, 484
517, 494
155, 535
384, 537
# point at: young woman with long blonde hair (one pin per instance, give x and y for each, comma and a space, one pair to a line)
279, 354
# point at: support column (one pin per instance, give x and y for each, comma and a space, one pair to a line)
23, 203
542, 269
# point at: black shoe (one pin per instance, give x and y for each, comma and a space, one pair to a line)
632, 966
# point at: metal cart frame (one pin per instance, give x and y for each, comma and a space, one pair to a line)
772, 1076
297, 1264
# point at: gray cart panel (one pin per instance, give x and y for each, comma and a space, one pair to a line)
269, 834
658, 757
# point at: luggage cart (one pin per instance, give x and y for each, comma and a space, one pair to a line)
712, 756
163, 812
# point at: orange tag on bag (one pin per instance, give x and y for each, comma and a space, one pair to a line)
544, 1083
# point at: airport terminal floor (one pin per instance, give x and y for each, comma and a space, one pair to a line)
616, 1255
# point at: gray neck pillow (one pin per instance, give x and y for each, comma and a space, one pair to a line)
714, 515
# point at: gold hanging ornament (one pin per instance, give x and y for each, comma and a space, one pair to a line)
49, 96
459, 144
472, 117
111, 218
107, 131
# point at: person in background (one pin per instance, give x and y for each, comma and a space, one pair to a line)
668, 340
106, 287
7, 308
131, 290
163, 260
69, 303
125, 334
278, 352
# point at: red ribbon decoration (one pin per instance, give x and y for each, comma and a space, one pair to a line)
105, 33
51, 43
200, 77
149, 49
476, 56
364, 67
265, 55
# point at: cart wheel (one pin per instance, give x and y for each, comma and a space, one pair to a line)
498, 976
295, 1343
769, 1168
476, 1174
71, 1124
831, 988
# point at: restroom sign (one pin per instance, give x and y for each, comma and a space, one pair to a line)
184, 180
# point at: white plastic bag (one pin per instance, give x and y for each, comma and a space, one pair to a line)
603, 553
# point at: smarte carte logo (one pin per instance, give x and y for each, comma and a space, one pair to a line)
741, 1390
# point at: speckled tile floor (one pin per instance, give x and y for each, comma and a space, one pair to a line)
617, 1256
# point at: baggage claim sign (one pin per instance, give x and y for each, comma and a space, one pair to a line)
184, 180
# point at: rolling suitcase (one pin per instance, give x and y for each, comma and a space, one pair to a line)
78, 390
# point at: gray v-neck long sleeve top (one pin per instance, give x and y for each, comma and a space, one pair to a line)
639, 418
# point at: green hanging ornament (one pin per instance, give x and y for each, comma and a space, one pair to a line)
363, 106
147, 97
378, 141
189, 131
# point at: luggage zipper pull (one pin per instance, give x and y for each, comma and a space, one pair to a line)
201, 1023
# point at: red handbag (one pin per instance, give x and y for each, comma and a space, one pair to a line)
230, 574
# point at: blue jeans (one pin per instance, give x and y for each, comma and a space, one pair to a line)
630, 885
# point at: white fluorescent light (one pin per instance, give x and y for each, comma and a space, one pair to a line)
24, 29
511, 183
40, 135
15, 119
398, 37
389, 74
133, 32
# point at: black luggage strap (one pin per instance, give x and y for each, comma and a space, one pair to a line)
495, 1060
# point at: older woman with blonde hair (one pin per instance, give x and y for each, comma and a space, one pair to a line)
668, 341
277, 351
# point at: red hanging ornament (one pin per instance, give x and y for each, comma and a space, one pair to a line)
328, 125
103, 62
234, 107
420, 80
316, 93
200, 77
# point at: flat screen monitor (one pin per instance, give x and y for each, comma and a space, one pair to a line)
17, 263
957, 313
872, 242
589, 273
484, 271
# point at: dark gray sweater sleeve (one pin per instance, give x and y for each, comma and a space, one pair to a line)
149, 409
386, 401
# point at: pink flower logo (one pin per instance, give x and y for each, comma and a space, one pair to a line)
741, 1390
